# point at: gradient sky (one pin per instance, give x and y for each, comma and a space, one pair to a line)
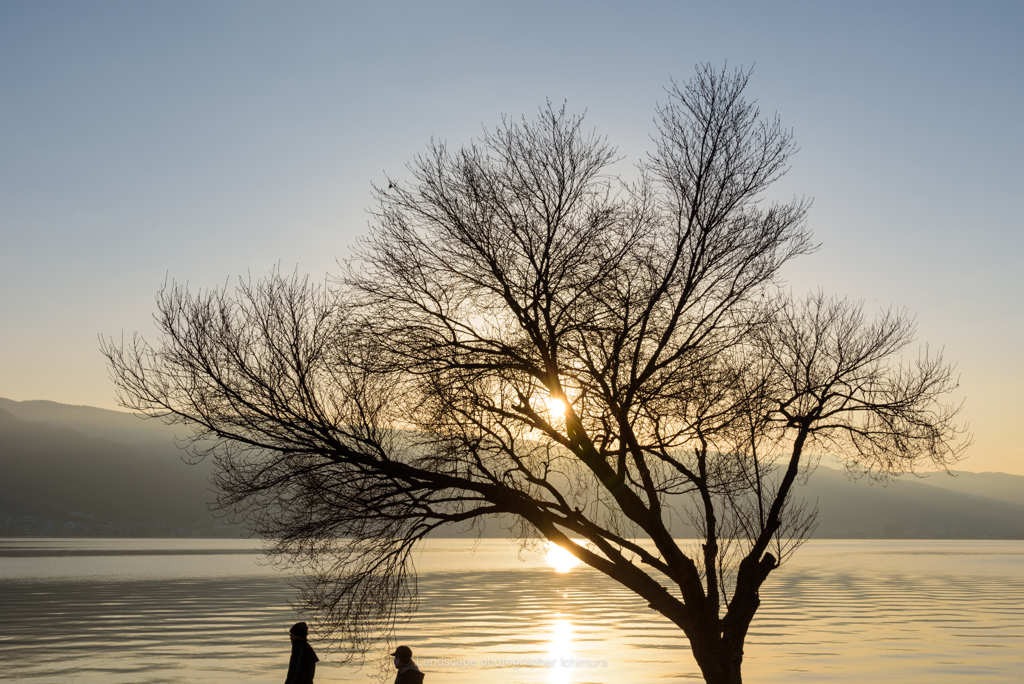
200, 141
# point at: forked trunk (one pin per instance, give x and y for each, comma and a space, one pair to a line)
717, 644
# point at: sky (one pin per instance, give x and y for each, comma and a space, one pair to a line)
201, 141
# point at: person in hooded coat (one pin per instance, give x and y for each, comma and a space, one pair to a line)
302, 666
408, 673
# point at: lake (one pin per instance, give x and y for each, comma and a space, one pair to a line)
120, 611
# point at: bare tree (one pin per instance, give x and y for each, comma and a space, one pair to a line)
523, 334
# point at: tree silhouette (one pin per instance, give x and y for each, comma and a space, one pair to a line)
524, 334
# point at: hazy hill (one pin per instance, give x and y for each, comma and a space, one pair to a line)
57, 480
118, 426
999, 486
60, 464
940, 505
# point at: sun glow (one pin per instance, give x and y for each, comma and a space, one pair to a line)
556, 406
560, 559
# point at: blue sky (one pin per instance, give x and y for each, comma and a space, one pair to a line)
201, 141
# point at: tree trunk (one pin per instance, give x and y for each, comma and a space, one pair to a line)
720, 662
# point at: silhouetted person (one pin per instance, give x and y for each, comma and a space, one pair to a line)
408, 673
302, 666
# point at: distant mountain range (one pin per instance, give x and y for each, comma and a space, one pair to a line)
84, 471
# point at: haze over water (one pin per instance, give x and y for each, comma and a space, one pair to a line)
148, 611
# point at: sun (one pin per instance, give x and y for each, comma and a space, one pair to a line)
556, 406
560, 559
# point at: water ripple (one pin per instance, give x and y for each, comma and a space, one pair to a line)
843, 613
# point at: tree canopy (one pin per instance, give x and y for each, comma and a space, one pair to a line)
522, 333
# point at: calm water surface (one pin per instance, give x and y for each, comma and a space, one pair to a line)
204, 611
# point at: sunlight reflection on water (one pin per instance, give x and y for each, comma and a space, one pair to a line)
205, 611
560, 651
